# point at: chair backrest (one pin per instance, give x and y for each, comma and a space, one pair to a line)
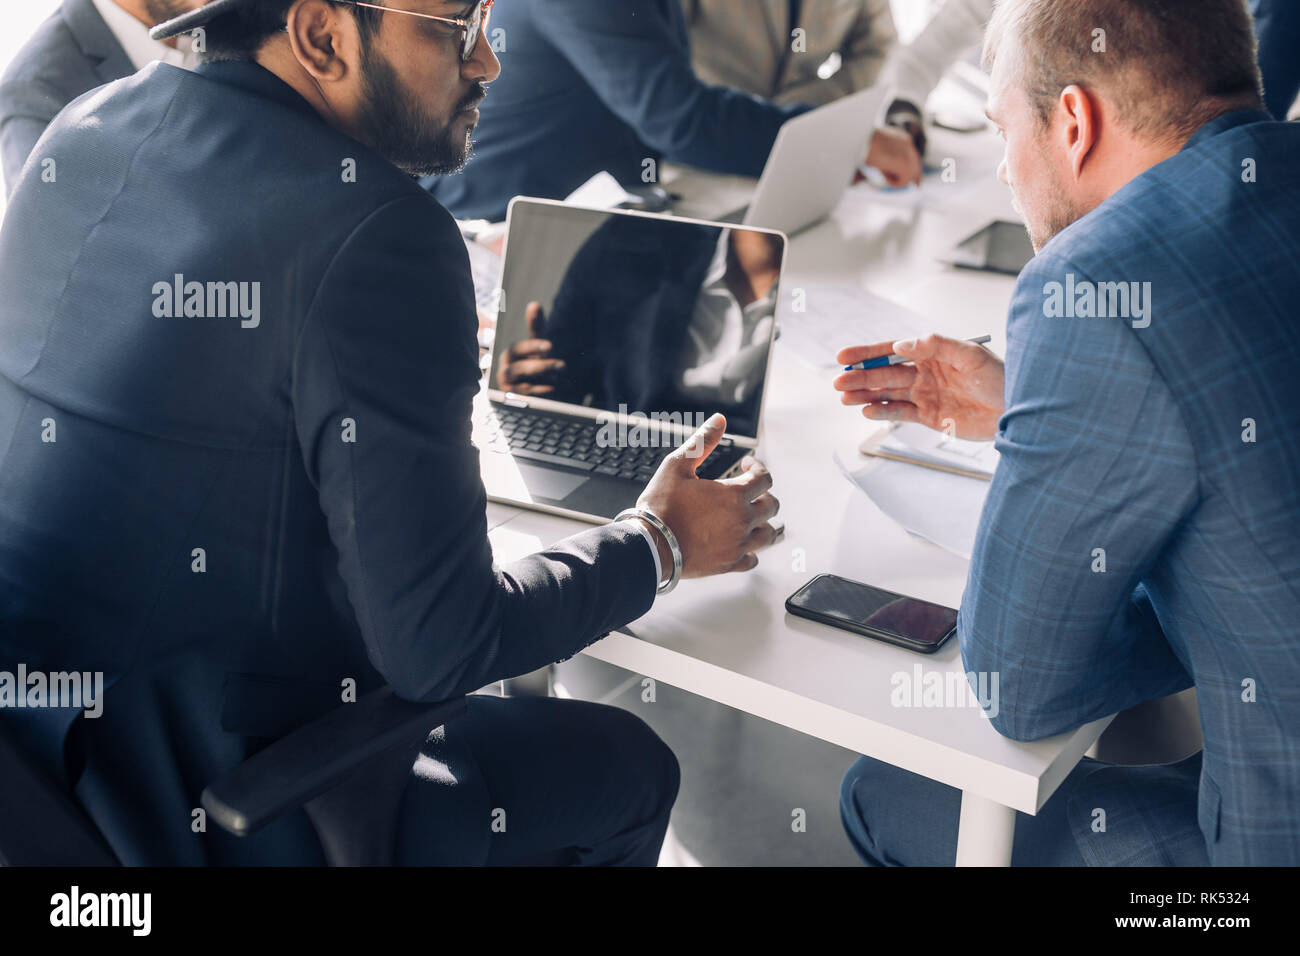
40, 823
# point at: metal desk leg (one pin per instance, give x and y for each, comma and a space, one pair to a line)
536, 684
986, 833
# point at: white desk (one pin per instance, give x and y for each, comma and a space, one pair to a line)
729, 639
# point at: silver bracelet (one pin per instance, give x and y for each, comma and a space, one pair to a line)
661, 526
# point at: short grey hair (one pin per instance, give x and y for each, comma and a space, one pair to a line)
1168, 66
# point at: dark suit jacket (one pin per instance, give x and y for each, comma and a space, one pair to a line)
621, 314
1140, 533
71, 53
588, 86
321, 459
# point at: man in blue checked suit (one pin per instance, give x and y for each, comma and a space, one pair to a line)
1140, 534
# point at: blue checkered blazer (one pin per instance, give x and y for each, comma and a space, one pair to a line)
1142, 533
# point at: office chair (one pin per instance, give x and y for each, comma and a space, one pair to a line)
347, 770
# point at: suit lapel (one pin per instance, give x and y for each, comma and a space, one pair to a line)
833, 19
96, 40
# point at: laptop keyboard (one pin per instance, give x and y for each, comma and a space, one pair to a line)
574, 443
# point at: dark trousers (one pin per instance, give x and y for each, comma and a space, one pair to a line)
897, 818
538, 781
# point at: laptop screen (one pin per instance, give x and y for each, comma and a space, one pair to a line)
637, 315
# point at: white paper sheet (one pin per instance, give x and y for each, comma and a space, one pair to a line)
601, 191
940, 507
838, 315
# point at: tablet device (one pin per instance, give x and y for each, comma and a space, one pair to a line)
1001, 247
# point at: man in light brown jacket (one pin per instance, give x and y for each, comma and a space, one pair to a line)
791, 51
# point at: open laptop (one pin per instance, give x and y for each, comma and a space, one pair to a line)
619, 333
812, 162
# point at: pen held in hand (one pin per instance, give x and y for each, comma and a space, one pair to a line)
887, 360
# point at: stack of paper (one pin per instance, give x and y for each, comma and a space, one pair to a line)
485, 266
924, 447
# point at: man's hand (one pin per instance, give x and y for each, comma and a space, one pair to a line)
894, 154
907, 117
719, 524
949, 385
526, 368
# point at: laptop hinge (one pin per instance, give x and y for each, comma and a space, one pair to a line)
514, 400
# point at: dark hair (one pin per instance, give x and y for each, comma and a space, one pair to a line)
1169, 66
238, 35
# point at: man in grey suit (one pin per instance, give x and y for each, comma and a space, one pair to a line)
84, 44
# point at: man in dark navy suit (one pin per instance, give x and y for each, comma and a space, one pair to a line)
594, 86
237, 359
84, 44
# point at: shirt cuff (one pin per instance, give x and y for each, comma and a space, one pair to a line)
654, 549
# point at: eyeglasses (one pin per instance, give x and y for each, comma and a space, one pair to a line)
470, 29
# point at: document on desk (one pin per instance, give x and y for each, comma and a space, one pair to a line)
485, 266
927, 448
952, 181
819, 319
939, 506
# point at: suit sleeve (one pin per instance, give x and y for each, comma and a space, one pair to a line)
25, 111
384, 376
1096, 476
631, 54
917, 69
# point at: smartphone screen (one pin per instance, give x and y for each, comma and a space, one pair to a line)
999, 247
862, 609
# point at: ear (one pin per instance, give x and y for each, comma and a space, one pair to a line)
324, 40
1077, 110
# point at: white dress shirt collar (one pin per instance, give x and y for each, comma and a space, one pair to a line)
134, 37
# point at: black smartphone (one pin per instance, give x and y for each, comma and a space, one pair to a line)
1002, 247
874, 612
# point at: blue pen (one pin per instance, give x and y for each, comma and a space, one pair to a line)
886, 360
